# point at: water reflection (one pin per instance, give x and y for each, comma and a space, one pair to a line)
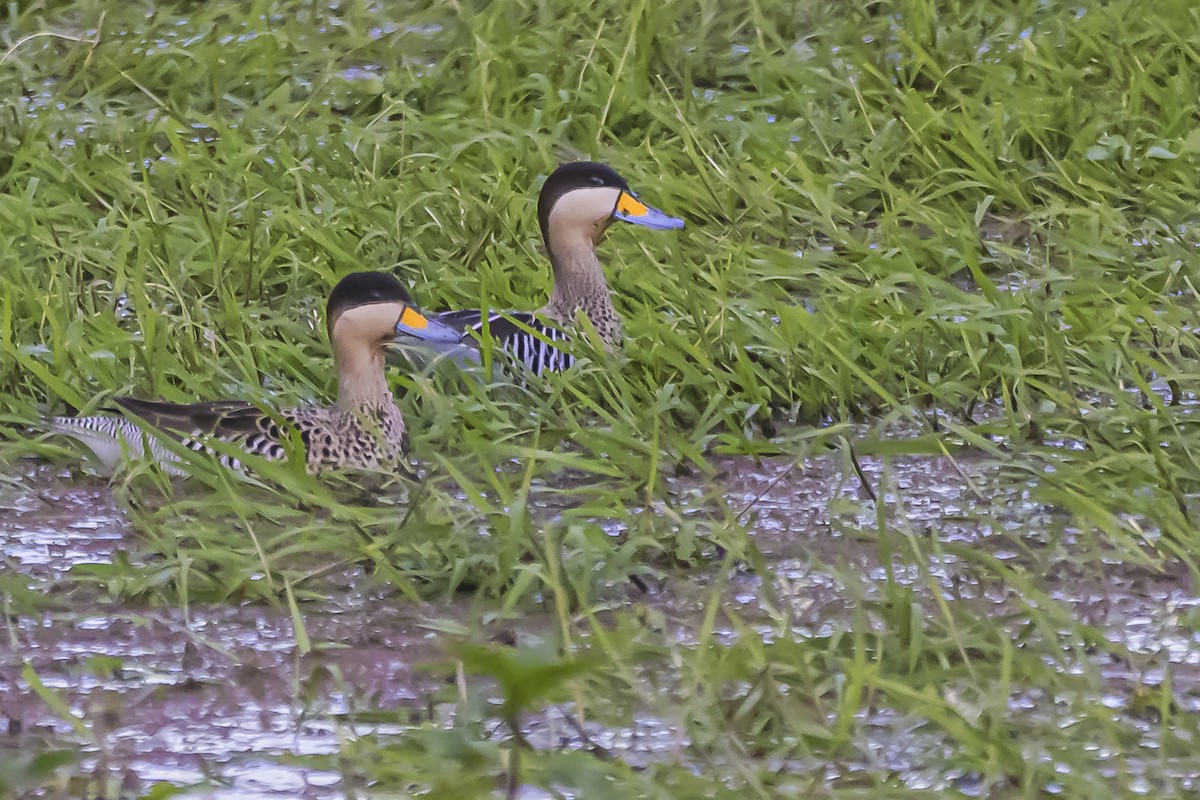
223, 694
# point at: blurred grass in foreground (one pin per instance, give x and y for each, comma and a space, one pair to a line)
972, 218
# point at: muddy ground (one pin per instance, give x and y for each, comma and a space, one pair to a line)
221, 694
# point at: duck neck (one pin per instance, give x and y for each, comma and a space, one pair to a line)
579, 285
362, 381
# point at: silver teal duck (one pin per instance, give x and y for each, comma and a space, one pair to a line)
364, 429
576, 205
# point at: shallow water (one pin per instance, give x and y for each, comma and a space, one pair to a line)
49, 524
219, 695
223, 695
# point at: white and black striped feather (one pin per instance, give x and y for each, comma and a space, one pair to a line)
522, 336
372, 439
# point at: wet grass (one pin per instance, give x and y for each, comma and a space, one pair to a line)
914, 228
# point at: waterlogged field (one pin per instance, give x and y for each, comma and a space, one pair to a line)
892, 491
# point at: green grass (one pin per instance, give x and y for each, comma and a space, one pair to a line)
976, 221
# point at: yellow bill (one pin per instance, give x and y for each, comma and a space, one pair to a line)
628, 204
415, 325
630, 209
414, 320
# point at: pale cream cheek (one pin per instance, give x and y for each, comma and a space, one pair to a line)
371, 323
584, 209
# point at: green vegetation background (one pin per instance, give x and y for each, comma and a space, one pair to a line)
976, 216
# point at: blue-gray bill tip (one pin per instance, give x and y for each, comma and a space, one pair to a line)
630, 209
415, 325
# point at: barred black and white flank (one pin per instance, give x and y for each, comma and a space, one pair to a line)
114, 439
518, 336
576, 205
363, 430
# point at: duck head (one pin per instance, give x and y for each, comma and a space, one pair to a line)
366, 310
585, 197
